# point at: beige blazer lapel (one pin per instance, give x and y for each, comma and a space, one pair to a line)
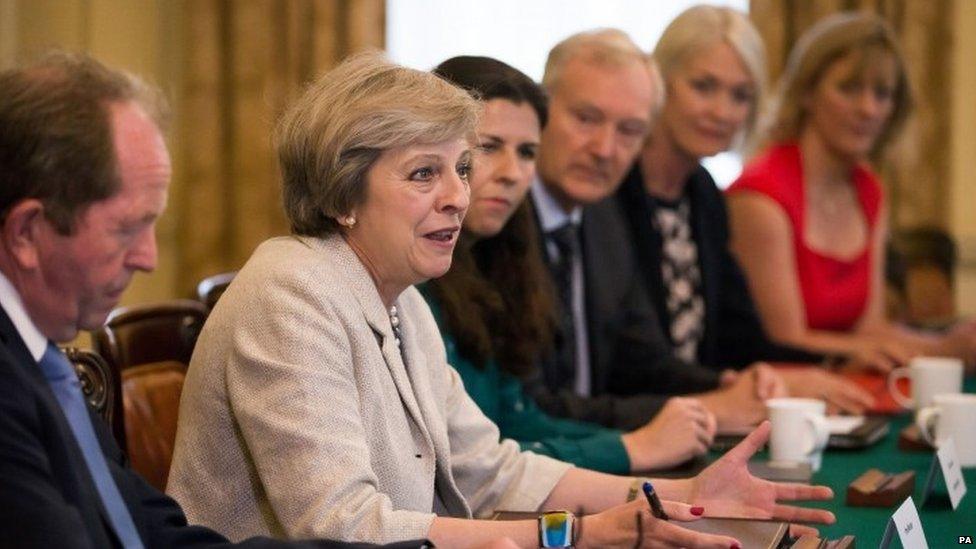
412, 381
415, 369
402, 380
362, 287
419, 371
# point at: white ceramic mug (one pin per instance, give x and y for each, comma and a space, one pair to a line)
800, 431
951, 415
930, 376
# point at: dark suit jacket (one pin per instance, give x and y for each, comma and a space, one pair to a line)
734, 336
47, 497
632, 371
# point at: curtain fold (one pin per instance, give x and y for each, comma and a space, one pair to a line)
916, 175
244, 61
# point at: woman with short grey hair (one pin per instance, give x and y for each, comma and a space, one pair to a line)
319, 401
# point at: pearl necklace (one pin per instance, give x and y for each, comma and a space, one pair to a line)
395, 322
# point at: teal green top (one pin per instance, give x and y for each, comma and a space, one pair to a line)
501, 397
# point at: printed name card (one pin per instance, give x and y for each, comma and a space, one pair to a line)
951, 471
909, 527
946, 462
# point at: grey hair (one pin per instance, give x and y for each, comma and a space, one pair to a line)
335, 131
605, 47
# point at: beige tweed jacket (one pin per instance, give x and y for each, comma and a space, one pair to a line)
299, 418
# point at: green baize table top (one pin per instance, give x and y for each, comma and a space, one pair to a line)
941, 524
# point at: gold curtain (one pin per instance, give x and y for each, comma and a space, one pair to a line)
917, 174
243, 61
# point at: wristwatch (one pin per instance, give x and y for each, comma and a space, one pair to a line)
557, 529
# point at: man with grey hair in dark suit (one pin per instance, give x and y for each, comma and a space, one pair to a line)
611, 365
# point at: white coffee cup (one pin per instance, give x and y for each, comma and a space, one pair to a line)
951, 415
930, 376
800, 431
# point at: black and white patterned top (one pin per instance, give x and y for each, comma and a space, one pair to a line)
681, 275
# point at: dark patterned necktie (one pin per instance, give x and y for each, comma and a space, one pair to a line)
566, 240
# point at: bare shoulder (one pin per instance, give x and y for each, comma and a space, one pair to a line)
754, 214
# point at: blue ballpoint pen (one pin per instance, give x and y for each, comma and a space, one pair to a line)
655, 502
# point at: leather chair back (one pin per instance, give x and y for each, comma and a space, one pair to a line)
143, 334
211, 288
151, 400
150, 345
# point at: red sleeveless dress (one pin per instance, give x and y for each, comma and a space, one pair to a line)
835, 292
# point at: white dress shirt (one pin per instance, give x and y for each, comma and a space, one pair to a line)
13, 305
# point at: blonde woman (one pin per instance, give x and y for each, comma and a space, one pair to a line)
712, 61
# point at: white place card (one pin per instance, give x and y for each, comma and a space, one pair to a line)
908, 525
951, 471
945, 462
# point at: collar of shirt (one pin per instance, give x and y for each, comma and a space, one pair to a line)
551, 215
13, 305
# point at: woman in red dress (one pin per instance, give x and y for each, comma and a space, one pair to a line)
808, 214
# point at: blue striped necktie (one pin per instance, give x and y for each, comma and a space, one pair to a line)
63, 381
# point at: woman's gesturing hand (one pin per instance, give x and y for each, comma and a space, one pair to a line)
727, 489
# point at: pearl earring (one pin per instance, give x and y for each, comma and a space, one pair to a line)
349, 221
